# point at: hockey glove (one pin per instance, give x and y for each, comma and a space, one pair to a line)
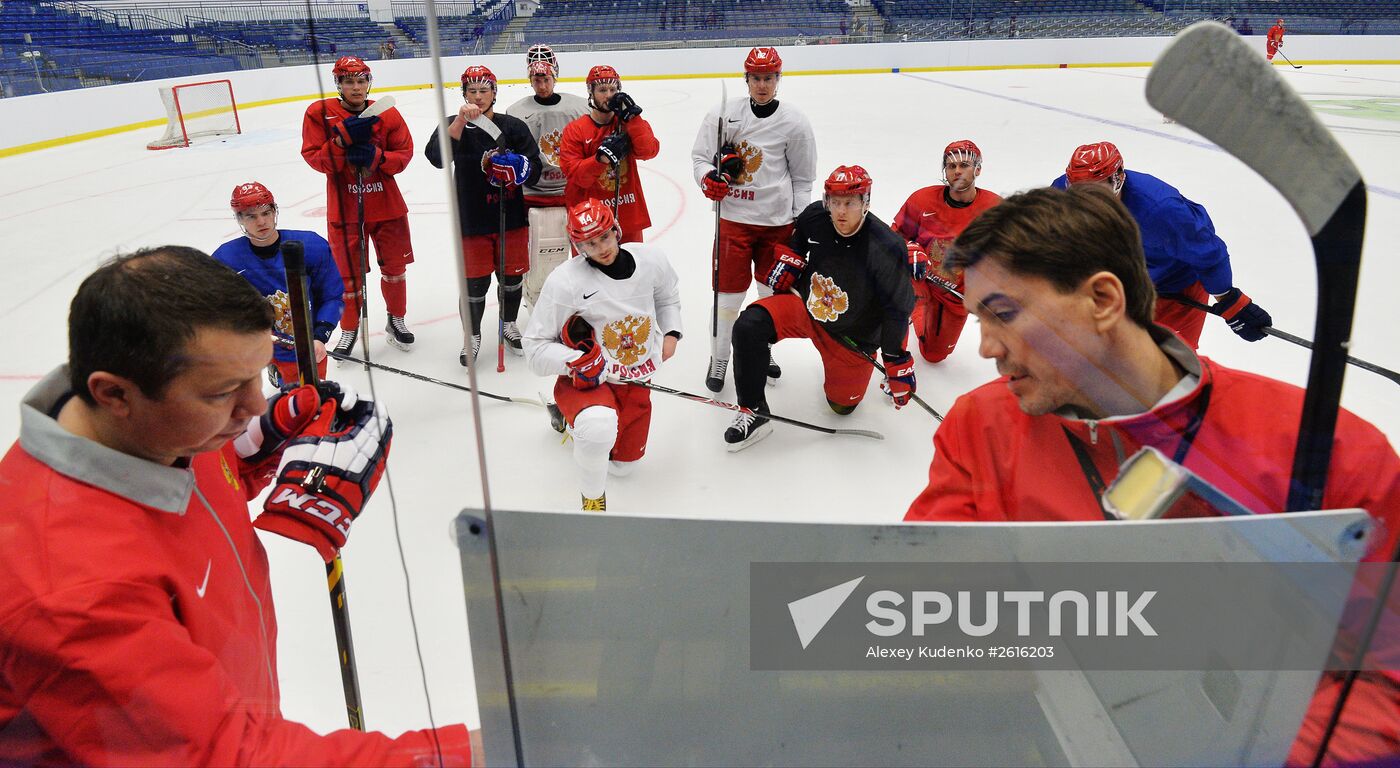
787, 267
577, 334
288, 412
357, 130
716, 185
507, 170
918, 261
899, 377
729, 162
362, 155
326, 476
614, 149
623, 106
1247, 319
587, 371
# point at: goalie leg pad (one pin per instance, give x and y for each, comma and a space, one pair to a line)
549, 247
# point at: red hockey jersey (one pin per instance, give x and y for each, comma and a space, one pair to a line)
383, 201
589, 178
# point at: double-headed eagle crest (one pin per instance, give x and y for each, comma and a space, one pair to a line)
549, 147
826, 301
753, 160
626, 339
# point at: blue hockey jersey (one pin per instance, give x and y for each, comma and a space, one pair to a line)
268, 275
1178, 237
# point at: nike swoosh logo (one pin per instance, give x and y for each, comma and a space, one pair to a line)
588, 296
930, 213
200, 589
813, 242
853, 397
733, 121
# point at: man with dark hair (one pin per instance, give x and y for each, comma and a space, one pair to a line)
1058, 280
135, 462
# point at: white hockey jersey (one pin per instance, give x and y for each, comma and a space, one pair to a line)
630, 317
780, 162
546, 123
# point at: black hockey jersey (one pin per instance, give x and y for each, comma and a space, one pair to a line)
857, 286
477, 200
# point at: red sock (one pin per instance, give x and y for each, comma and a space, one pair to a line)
395, 290
350, 316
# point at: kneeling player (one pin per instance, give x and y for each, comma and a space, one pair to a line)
852, 289
597, 326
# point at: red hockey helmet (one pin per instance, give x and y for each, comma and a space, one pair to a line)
848, 180
1279, 22
588, 220
602, 73
1094, 162
963, 149
350, 65
541, 53
250, 195
763, 60
476, 75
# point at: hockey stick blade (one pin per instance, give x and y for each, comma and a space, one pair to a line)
439, 382
741, 409
378, 106
1209, 80
485, 124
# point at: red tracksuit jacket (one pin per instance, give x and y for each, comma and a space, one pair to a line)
589, 178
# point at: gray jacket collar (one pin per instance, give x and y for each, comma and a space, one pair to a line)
145, 482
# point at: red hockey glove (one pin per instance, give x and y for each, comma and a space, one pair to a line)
716, 185
288, 412
787, 267
587, 371
899, 377
1247, 319
918, 261
327, 475
504, 168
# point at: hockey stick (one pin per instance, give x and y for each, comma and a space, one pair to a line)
714, 260
1299, 340
869, 358
500, 279
1202, 79
362, 268
294, 263
1290, 61
741, 409
439, 382
379, 106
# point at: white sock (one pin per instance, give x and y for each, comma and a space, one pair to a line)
594, 431
763, 291
621, 468
723, 343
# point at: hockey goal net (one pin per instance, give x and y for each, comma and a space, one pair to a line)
194, 110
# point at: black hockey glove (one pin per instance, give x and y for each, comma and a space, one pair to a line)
623, 106
729, 162
614, 149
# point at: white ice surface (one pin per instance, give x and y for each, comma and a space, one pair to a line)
67, 208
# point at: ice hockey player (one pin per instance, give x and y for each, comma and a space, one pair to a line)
546, 112
603, 320
1274, 41
488, 171
1057, 279
599, 152
136, 461
852, 289
257, 257
929, 220
1184, 255
761, 174
361, 157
